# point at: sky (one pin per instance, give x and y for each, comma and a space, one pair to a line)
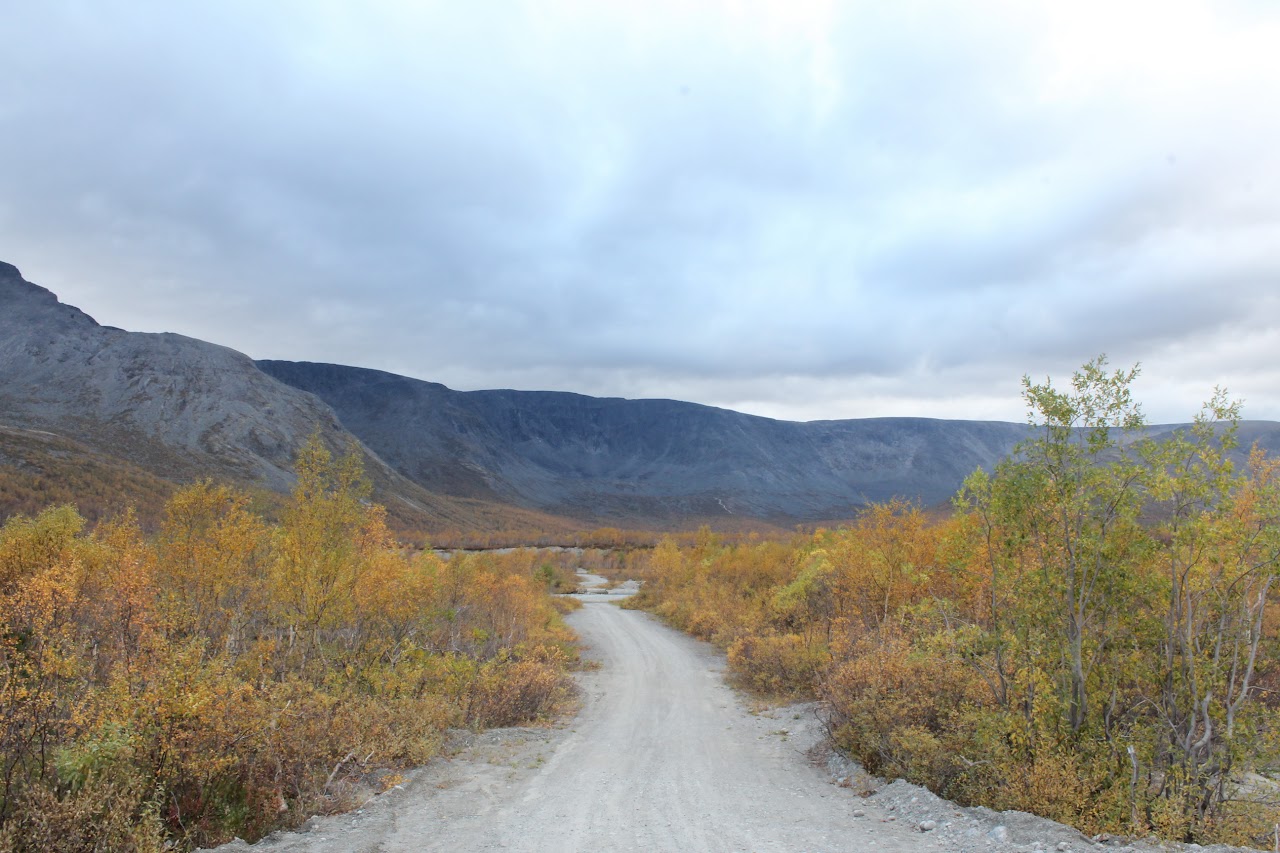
800, 209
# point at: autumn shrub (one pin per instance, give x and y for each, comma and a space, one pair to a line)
228, 676
518, 689
99, 814
30, 544
705, 623
564, 605
776, 665
896, 709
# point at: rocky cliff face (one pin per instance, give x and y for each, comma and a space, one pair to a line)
160, 400
587, 456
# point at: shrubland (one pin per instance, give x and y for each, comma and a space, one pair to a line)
227, 674
1091, 634
38, 470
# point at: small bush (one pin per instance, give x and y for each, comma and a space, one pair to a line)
776, 665
894, 710
510, 691
99, 815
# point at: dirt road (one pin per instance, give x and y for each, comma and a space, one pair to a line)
663, 756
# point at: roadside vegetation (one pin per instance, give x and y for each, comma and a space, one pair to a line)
227, 674
1090, 636
39, 470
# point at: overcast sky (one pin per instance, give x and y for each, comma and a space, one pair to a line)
798, 209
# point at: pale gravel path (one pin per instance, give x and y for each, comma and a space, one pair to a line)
662, 757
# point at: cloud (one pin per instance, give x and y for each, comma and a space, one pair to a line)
811, 209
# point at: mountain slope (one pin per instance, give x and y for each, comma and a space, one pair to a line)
657, 459
159, 400
39, 469
179, 409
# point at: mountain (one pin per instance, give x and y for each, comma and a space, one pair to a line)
598, 458
159, 400
143, 406
134, 414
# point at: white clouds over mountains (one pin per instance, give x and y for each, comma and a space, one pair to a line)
808, 210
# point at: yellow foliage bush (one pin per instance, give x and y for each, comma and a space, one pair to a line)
100, 814
895, 709
514, 690
229, 676
776, 665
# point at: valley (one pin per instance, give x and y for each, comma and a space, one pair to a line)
229, 506
526, 466
723, 427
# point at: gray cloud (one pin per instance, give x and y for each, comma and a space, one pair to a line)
817, 210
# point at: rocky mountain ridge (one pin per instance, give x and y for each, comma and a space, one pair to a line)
182, 409
577, 455
158, 399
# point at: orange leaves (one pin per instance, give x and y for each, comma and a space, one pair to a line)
119, 590
41, 657
894, 708
884, 562
514, 690
208, 681
393, 592
489, 602
776, 665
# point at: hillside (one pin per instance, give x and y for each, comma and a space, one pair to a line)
134, 409
162, 401
657, 459
39, 469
